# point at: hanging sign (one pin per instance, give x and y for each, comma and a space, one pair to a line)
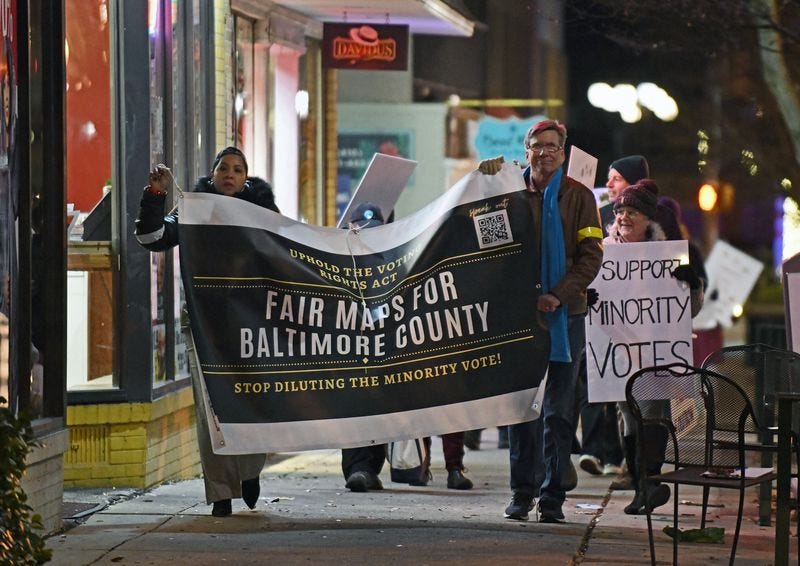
365, 47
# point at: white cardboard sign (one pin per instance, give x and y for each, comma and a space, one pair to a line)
643, 316
582, 166
383, 181
732, 275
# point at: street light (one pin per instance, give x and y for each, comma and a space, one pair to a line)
629, 100
707, 197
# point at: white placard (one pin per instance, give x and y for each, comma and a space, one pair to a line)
582, 167
732, 274
383, 181
792, 297
643, 316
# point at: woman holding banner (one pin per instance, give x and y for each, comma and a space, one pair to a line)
225, 477
634, 213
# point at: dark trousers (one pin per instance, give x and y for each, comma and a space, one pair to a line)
453, 448
599, 425
539, 450
363, 459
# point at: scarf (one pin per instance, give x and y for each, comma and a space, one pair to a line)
554, 267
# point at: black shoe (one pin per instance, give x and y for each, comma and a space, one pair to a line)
550, 511
519, 507
657, 496
635, 507
363, 481
457, 480
251, 489
222, 508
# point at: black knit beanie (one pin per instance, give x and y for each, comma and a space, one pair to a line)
633, 167
638, 197
230, 150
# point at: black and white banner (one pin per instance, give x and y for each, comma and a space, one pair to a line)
642, 318
310, 337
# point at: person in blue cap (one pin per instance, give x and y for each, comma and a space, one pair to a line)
361, 466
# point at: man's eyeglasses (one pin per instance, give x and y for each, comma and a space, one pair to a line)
544, 148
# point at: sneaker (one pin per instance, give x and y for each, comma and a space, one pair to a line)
591, 464
550, 511
612, 470
222, 508
519, 507
457, 480
569, 480
363, 481
623, 482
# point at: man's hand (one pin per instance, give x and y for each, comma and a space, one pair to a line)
161, 178
548, 303
491, 166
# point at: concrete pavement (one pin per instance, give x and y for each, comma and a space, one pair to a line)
306, 516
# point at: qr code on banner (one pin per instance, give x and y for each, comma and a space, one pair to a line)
493, 229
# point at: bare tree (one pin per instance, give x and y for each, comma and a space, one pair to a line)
764, 34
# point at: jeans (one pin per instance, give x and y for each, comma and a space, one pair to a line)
599, 427
539, 451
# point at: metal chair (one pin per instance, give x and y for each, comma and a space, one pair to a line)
761, 370
698, 421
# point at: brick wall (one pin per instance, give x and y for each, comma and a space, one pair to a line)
223, 75
43, 479
132, 444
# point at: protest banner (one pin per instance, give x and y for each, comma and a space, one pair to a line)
310, 337
643, 316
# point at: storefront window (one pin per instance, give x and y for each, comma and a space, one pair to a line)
252, 120
90, 289
177, 140
7, 229
243, 85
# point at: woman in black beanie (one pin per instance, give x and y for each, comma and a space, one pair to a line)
635, 211
225, 477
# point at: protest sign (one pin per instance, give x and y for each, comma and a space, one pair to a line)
642, 318
506, 137
732, 274
311, 337
582, 167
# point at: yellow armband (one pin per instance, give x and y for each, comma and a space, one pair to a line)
590, 232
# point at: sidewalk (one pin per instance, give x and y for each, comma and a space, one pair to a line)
306, 516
